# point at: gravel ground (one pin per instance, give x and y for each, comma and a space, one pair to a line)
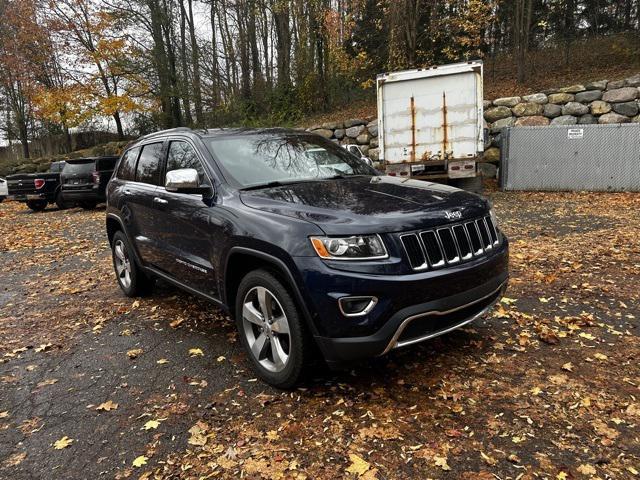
95, 385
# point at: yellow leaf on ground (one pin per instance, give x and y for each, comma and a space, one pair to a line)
140, 461
587, 469
195, 352
107, 406
162, 361
358, 465
4, 414
198, 434
588, 336
151, 424
136, 352
64, 442
600, 356
568, 367
441, 462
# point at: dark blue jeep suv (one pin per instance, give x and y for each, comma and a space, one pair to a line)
311, 250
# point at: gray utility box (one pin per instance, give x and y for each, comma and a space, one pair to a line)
571, 157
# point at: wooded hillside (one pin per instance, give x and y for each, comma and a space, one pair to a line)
148, 64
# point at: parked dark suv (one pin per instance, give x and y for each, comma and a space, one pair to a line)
308, 252
84, 181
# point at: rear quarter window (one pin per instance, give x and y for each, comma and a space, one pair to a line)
127, 168
149, 164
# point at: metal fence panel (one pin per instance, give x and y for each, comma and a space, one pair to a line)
575, 157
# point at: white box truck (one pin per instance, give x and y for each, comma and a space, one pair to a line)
430, 122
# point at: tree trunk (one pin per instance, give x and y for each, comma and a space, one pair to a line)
195, 60
186, 102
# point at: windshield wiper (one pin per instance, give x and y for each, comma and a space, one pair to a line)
264, 185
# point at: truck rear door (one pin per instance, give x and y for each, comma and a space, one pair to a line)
432, 115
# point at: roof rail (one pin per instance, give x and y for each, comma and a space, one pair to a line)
170, 130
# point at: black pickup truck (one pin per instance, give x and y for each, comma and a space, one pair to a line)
37, 190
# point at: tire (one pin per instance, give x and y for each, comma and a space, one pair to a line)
60, 203
88, 205
37, 205
473, 184
283, 356
132, 280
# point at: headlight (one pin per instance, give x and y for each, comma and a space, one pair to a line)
357, 247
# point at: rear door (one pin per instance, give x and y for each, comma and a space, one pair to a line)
142, 193
183, 224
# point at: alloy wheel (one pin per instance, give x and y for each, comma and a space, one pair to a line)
266, 329
123, 264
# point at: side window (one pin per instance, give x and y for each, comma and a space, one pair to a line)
182, 155
149, 164
127, 168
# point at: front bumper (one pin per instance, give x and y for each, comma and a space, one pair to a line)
410, 308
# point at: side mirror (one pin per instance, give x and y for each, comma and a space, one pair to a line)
184, 180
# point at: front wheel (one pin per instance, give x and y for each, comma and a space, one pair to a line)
132, 280
271, 329
37, 205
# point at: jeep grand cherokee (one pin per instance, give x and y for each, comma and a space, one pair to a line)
306, 246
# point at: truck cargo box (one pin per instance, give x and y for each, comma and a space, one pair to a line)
431, 120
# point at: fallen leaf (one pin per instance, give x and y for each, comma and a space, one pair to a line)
488, 459
48, 381
587, 469
64, 442
358, 465
151, 424
568, 367
135, 353
140, 461
107, 406
195, 352
15, 459
4, 414
198, 434
441, 462
162, 361
600, 356
44, 347
176, 323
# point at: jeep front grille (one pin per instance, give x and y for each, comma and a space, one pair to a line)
450, 245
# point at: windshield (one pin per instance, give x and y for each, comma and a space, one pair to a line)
74, 168
263, 158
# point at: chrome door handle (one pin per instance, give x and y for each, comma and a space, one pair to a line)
160, 201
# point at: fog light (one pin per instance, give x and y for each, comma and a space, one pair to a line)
356, 306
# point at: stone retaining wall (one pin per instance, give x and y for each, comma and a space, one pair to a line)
602, 102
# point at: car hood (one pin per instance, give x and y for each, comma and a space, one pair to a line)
359, 205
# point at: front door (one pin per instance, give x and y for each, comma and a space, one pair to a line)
187, 237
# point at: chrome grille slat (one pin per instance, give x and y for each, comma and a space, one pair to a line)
451, 244
432, 246
414, 250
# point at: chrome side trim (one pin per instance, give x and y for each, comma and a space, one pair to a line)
393, 343
373, 301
